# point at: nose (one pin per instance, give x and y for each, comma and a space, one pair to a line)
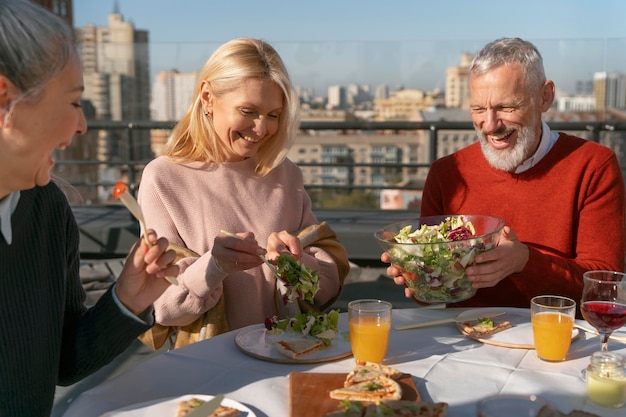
81, 127
260, 126
489, 121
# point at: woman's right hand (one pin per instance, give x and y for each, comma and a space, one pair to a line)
237, 253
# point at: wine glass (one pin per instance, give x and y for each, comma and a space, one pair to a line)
603, 304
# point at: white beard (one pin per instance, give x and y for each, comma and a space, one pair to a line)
509, 159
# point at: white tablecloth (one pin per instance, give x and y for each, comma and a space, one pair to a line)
445, 366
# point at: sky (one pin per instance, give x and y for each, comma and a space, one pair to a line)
395, 42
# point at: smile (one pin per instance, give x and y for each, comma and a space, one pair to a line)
247, 138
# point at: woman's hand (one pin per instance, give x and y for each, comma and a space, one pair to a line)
283, 242
142, 280
236, 252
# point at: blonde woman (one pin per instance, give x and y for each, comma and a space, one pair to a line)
224, 168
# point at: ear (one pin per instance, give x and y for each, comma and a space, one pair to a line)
206, 97
546, 97
5, 100
5, 86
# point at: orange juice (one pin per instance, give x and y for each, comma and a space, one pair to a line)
369, 337
552, 333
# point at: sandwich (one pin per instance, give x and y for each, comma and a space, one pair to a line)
391, 408
374, 390
295, 349
483, 327
187, 406
367, 371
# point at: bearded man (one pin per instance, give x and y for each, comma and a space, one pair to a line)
561, 197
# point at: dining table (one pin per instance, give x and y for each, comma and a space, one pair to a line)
445, 366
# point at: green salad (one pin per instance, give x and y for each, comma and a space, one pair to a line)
320, 325
301, 281
435, 256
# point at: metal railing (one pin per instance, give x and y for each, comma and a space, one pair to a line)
610, 133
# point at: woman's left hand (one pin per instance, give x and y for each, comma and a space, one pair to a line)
283, 242
142, 279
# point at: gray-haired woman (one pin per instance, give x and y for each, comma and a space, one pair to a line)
49, 336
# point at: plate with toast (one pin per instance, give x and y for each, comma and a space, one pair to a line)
181, 406
512, 329
291, 347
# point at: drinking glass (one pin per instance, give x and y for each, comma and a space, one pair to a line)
552, 318
603, 304
370, 322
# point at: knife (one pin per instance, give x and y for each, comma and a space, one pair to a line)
206, 409
456, 319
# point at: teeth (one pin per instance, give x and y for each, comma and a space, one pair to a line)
248, 138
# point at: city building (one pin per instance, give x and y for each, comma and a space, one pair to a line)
457, 83
172, 93
62, 8
609, 90
116, 74
402, 104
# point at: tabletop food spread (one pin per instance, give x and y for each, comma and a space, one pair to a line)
439, 362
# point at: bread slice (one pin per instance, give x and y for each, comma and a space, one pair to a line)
375, 390
477, 329
547, 411
366, 371
187, 406
407, 409
297, 348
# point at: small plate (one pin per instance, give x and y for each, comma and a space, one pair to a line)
519, 336
253, 341
168, 407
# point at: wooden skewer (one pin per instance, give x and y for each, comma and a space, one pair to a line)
131, 204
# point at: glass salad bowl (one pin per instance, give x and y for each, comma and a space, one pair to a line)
434, 251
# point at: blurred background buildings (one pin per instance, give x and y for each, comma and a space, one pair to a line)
116, 63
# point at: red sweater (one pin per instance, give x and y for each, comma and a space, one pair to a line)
568, 209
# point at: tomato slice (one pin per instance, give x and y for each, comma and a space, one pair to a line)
119, 189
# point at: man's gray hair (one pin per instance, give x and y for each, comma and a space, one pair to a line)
511, 51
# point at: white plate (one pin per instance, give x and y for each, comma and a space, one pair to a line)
520, 335
252, 340
168, 407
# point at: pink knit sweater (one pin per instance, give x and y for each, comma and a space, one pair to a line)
190, 203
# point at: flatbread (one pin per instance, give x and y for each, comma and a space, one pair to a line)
547, 411
367, 371
295, 349
187, 406
477, 330
407, 409
393, 408
375, 390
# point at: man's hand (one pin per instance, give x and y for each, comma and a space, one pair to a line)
492, 266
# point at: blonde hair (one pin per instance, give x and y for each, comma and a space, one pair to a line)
194, 137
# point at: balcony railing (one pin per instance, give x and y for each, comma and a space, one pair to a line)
128, 168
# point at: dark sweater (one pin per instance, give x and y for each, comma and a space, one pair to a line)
48, 336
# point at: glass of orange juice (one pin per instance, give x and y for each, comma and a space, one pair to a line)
552, 317
370, 322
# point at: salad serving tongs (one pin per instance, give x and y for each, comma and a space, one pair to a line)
263, 258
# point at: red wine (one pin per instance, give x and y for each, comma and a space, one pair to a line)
605, 316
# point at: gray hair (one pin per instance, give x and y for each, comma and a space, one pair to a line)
511, 51
35, 46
